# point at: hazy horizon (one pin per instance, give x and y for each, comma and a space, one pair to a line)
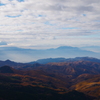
27, 55
29, 24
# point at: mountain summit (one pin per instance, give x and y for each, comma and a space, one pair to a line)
27, 55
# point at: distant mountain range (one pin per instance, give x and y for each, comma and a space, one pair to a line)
45, 61
50, 60
27, 55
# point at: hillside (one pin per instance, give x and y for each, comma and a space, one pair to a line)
60, 78
90, 86
67, 68
35, 85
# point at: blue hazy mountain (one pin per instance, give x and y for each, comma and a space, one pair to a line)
27, 55
50, 60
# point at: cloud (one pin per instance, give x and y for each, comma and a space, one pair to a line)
20, 0
30, 20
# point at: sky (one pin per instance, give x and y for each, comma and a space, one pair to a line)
43, 24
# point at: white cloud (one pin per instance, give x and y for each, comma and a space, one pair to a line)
36, 22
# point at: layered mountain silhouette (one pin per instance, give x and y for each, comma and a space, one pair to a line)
39, 62
26, 55
73, 69
72, 80
12, 64
49, 60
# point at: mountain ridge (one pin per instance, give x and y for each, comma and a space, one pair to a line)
62, 77
48, 60
45, 61
17, 54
